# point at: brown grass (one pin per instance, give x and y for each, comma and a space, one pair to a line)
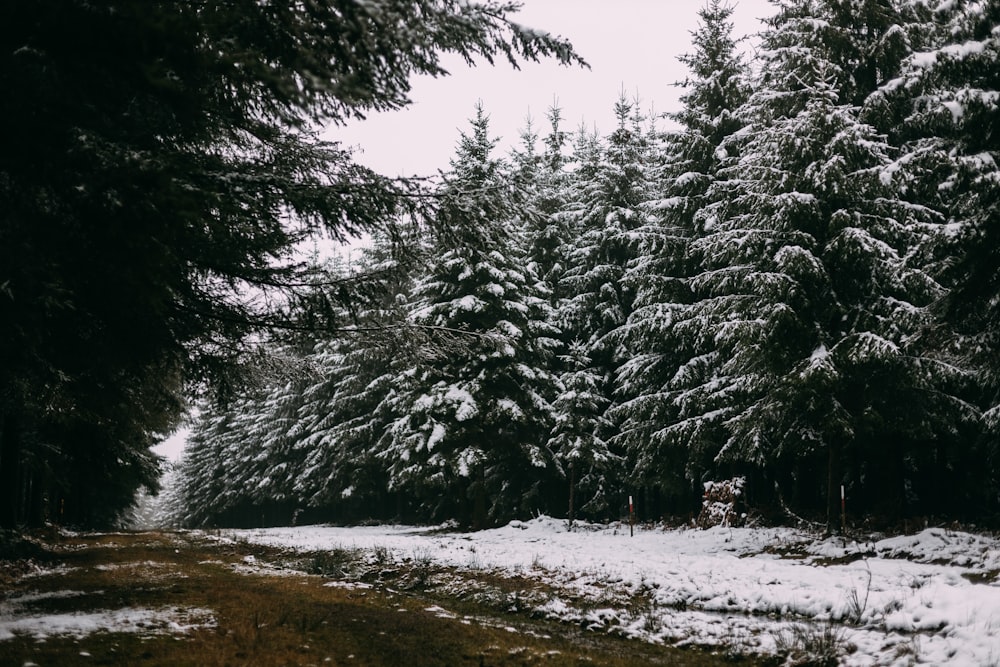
293, 619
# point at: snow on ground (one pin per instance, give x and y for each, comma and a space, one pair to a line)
933, 597
16, 618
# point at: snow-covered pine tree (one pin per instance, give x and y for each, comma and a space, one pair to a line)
526, 161
577, 437
580, 185
300, 442
469, 439
549, 230
344, 411
554, 155
340, 422
263, 465
945, 110
656, 336
807, 281
610, 184
201, 481
240, 463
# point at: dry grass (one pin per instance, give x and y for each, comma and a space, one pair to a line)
269, 618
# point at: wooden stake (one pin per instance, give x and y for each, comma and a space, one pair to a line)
631, 518
843, 512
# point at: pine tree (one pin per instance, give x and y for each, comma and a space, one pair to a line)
817, 370
240, 462
945, 115
343, 418
657, 335
201, 483
159, 164
577, 437
610, 185
549, 229
469, 438
604, 212
300, 443
344, 410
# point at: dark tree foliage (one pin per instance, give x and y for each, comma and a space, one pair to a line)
812, 271
546, 193
301, 444
610, 184
577, 438
664, 331
944, 111
158, 165
469, 435
604, 202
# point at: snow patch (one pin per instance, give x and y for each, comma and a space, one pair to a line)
136, 620
819, 354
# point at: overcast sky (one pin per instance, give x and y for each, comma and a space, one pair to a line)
629, 44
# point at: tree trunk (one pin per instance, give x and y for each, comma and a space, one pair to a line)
833, 491
10, 471
35, 497
479, 500
572, 488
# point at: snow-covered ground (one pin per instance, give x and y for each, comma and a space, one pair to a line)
15, 619
932, 598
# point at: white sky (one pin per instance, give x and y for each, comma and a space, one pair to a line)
629, 44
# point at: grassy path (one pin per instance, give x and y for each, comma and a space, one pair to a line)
307, 612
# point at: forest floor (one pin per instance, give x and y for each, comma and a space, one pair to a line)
162, 598
535, 592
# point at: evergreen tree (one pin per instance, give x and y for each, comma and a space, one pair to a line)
818, 372
159, 164
300, 442
659, 334
610, 184
202, 472
469, 439
549, 229
241, 464
526, 162
577, 440
341, 420
945, 114
344, 410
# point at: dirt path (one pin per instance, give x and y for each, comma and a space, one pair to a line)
172, 599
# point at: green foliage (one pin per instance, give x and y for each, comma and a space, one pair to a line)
159, 166
945, 109
468, 435
796, 285
665, 335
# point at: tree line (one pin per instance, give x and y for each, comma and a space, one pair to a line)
160, 163
796, 281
